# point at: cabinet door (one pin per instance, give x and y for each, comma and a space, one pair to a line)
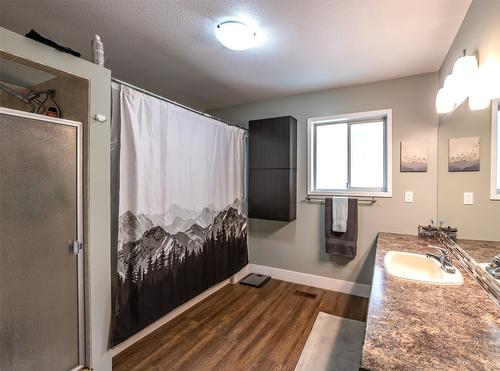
40, 296
272, 194
272, 143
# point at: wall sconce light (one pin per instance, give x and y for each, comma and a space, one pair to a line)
468, 80
457, 86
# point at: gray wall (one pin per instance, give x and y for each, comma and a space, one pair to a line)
480, 32
96, 188
299, 245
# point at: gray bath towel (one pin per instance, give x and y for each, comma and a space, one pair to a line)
338, 243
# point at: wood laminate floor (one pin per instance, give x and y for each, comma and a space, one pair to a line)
240, 328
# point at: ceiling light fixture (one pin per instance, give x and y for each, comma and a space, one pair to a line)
236, 35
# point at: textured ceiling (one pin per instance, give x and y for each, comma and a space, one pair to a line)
168, 47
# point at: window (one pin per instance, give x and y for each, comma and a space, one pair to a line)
350, 154
495, 150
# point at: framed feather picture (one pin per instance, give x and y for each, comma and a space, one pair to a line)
413, 157
463, 154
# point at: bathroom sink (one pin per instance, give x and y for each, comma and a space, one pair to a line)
419, 268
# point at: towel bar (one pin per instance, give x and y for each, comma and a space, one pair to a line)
368, 201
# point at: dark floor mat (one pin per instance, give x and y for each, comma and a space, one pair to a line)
255, 280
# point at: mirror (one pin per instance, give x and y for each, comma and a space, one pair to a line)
469, 181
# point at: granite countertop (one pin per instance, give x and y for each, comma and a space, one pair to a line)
415, 326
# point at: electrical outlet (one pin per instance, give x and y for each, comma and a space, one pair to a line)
408, 196
468, 198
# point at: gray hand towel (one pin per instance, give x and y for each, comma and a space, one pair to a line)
338, 243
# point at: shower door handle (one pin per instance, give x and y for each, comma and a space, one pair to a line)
76, 246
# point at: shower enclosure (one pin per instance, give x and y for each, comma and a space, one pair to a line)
41, 261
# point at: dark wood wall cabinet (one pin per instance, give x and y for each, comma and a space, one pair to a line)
273, 168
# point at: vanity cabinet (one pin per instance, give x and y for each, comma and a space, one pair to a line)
273, 168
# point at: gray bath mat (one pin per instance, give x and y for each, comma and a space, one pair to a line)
334, 343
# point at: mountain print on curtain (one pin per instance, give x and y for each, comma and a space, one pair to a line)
182, 225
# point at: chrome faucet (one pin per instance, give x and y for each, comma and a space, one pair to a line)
443, 258
493, 267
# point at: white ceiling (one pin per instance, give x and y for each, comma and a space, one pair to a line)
168, 47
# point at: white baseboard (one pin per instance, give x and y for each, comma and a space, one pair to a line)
177, 311
242, 273
321, 282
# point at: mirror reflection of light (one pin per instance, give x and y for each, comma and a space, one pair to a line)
479, 96
486, 85
491, 69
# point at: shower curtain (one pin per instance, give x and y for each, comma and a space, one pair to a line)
182, 224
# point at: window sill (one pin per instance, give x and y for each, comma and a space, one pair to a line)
312, 195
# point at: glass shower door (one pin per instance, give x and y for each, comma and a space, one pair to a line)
41, 316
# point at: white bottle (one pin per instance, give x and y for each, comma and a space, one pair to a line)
98, 50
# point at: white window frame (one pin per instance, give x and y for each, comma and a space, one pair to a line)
350, 118
494, 192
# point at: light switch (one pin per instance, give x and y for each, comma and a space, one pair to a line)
408, 196
468, 198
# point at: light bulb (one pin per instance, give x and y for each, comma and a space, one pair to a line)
444, 103
480, 93
478, 102
455, 91
236, 35
491, 69
464, 72
465, 67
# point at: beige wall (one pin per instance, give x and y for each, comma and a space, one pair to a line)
480, 32
299, 245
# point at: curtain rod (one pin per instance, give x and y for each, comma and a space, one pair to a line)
175, 103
